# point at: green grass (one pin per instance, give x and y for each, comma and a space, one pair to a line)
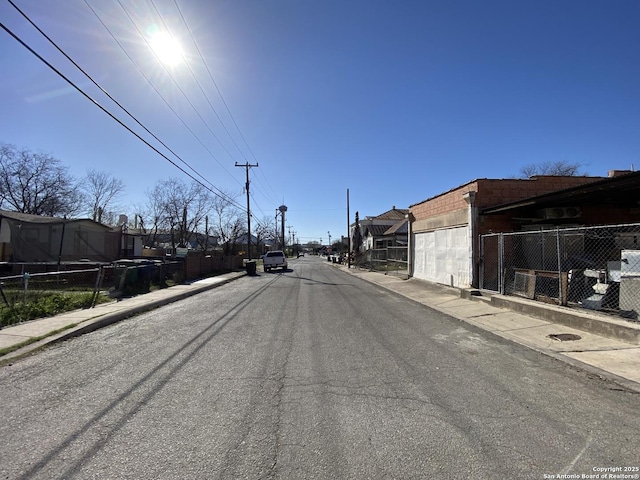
52, 302
42, 305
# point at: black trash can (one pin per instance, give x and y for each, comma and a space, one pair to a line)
251, 267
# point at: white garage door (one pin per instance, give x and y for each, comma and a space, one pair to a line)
443, 256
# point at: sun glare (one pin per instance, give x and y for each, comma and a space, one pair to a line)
166, 48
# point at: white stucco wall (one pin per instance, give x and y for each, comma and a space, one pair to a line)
443, 256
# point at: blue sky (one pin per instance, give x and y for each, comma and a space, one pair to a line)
396, 101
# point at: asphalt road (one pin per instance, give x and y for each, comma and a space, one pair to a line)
309, 373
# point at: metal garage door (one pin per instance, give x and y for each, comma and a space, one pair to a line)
443, 256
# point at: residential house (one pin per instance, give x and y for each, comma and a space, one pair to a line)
398, 234
163, 239
239, 245
33, 238
383, 230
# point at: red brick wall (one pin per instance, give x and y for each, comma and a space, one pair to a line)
494, 192
444, 203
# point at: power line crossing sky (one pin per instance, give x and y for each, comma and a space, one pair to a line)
397, 101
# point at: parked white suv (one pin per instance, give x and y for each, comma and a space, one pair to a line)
275, 259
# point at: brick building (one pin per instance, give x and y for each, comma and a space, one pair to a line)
445, 228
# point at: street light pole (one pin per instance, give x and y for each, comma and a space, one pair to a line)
282, 209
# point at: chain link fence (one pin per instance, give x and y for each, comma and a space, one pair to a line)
389, 260
30, 291
597, 268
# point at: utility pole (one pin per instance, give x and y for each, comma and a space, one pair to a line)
276, 230
247, 166
348, 234
329, 233
206, 234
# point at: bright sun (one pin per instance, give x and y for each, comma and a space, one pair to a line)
166, 48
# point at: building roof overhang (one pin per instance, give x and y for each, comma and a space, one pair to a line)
623, 190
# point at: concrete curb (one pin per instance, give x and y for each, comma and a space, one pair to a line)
101, 320
598, 324
590, 323
585, 320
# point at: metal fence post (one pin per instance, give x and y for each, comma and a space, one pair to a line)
560, 296
481, 262
97, 286
501, 263
25, 280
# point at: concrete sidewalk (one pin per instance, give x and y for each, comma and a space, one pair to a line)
30, 336
606, 346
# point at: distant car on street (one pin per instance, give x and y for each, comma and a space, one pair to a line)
275, 259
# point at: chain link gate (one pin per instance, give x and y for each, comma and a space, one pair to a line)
597, 268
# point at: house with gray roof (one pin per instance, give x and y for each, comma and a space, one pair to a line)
384, 230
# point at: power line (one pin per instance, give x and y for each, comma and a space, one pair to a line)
215, 84
120, 122
196, 79
197, 82
221, 194
104, 91
141, 72
213, 80
176, 84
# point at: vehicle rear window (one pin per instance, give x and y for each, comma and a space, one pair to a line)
275, 254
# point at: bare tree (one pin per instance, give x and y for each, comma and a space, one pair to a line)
207, 239
264, 230
559, 168
179, 209
152, 216
37, 183
101, 189
228, 222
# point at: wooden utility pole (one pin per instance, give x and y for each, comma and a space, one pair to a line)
348, 234
247, 166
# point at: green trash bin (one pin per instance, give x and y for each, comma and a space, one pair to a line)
126, 274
